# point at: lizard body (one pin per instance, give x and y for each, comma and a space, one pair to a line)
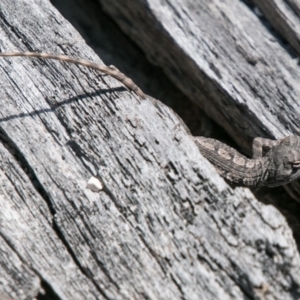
274, 163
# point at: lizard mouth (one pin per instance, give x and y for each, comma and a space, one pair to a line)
295, 164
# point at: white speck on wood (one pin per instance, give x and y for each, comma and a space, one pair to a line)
94, 184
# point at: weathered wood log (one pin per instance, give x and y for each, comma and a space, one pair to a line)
165, 225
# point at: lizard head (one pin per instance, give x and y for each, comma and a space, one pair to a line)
286, 161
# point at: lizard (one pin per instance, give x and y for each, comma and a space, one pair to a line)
274, 162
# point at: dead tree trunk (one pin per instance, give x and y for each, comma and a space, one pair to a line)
165, 225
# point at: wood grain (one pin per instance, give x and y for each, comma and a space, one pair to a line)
165, 225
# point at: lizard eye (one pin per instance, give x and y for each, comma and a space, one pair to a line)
295, 164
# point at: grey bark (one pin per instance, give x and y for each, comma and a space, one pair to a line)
165, 225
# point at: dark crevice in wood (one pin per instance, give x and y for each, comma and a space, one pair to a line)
48, 292
17, 34
84, 271
294, 8
25, 166
284, 43
130, 55
82, 156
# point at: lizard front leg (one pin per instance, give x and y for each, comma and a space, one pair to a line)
261, 146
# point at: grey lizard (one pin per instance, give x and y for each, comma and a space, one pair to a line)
274, 162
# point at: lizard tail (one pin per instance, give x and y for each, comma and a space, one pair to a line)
105, 69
